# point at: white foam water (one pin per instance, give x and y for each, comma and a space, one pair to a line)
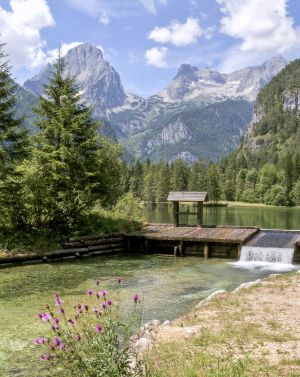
266, 258
267, 254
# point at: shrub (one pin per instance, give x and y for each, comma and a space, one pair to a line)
129, 207
94, 341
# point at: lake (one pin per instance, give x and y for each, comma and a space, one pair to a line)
263, 217
169, 287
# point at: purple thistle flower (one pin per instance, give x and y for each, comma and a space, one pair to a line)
40, 341
45, 357
96, 310
61, 311
72, 322
62, 346
103, 293
104, 305
136, 298
86, 307
99, 328
55, 327
52, 346
90, 292
109, 302
56, 341
78, 337
56, 321
58, 300
44, 316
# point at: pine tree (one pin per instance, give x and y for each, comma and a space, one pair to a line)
13, 149
289, 177
179, 176
66, 153
214, 189
162, 182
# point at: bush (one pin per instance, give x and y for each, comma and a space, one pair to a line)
94, 341
129, 207
249, 196
276, 196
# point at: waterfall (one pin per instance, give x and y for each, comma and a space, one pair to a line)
266, 254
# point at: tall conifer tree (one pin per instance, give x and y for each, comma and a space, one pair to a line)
66, 151
13, 148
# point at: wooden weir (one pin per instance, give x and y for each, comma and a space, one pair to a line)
218, 242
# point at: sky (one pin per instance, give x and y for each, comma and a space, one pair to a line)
147, 40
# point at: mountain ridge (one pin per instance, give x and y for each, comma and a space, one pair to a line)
139, 123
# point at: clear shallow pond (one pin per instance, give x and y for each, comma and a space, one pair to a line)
169, 286
263, 217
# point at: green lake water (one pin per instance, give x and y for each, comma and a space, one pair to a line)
263, 217
169, 287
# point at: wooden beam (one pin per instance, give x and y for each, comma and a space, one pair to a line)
199, 214
206, 251
176, 214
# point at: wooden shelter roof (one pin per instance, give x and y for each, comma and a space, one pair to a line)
187, 196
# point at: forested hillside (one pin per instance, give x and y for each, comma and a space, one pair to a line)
266, 166
269, 156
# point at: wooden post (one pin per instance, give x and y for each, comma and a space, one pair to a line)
199, 214
239, 250
181, 249
206, 251
175, 214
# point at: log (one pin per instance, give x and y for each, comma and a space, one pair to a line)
101, 241
94, 237
62, 252
105, 247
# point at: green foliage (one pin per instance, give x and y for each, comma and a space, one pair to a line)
128, 207
91, 340
13, 150
71, 164
296, 193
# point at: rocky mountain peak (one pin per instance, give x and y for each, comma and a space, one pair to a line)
98, 81
186, 71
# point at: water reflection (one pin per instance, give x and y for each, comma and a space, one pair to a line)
263, 217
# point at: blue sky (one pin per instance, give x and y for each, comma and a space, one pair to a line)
147, 40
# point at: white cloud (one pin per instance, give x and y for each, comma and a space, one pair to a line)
151, 5
179, 34
105, 10
261, 25
20, 29
104, 18
157, 57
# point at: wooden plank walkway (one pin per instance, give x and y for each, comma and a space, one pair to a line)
228, 235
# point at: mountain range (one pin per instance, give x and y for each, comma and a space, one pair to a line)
202, 113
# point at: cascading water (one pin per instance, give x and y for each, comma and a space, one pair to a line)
266, 254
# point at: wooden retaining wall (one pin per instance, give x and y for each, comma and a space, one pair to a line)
184, 248
77, 247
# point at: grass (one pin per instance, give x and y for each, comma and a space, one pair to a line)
124, 217
232, 340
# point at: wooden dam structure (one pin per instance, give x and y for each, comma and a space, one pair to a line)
180, 239
175, 239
